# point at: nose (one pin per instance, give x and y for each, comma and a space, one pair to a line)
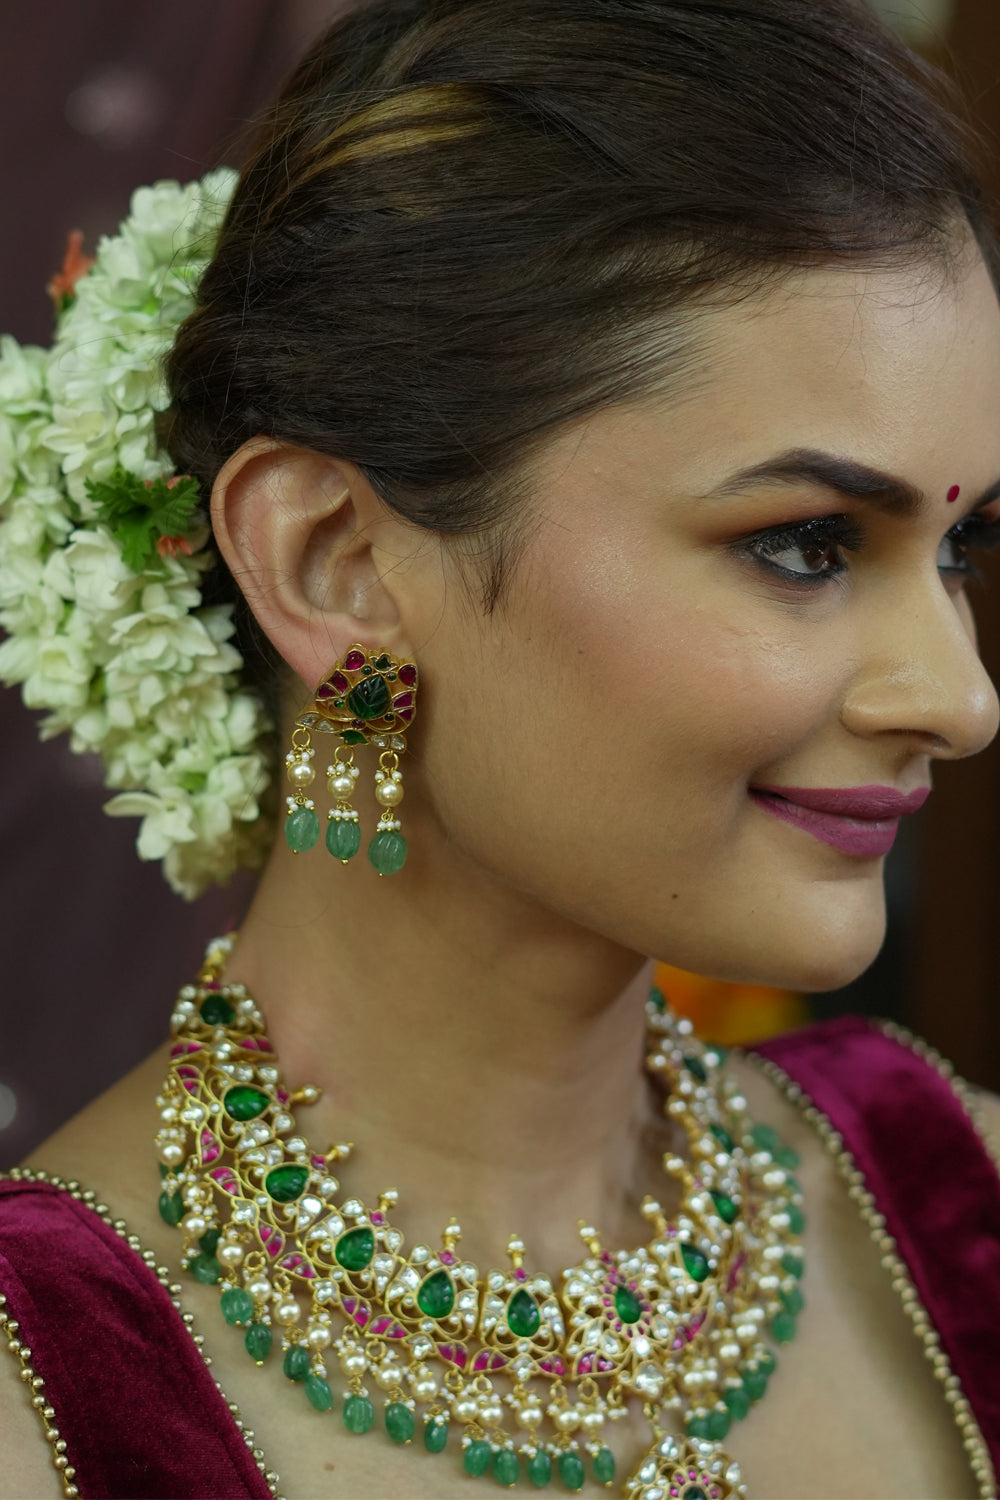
920, 674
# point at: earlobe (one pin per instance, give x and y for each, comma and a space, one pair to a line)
294, 527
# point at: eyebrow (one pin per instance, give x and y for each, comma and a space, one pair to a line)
886, 492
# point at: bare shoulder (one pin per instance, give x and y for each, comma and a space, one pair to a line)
27, 1471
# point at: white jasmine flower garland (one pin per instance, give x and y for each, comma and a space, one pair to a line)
105, 630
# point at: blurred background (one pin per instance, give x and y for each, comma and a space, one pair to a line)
98, 97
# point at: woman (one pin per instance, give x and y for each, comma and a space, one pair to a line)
614, 384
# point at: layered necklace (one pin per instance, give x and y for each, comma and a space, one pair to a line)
520, 1376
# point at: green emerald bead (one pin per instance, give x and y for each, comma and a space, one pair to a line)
695, 1263
723, 1137
627, 1305
353, 737
737, 1402
792, 1263
258, 1339
244, 1103
319, 1393
506, 1467
785, 1156
783, 1327
343, 838
697, 1427
755, 1383
296, 1362
765, 1138
477, 1458
217, 1011
767, 1362
387, 852
354, 1250
358, 1414
285, 1184
205, 1268
657, 999
725, 1208
523, 1316
301, 830
696, 1068
571, 1470
604, 1466
436, 1296
793, 1301
540, 1470
399, 1422
435, 1434
237, 1306
171, 1206
717, 1425
796, 1218
370, 699
209, 1241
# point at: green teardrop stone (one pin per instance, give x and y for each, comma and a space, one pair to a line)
285, 1184
382, 663
754, 1383
435, 1434
765, 1138
355, 1249
216, 1010
767, 1362
695, 1263
737, 1401
258, 1339
171, 1206
237, 1306
358, 1414
244, 1103
793, 1301
725, 1208
627, 1305
540, 1470
370, 698
205, 1268
353, 737
343, 838
723, 1137
476, 1458
387, 852
523, 1316
209, 1241
718, 1424
792, 1263
436, 1296
506, 1467
604, 1466
657, 999
399, 1422
301, 829
571, 1471
296, 1362
784, 1327
796, 1218
318, 1392
696, 1068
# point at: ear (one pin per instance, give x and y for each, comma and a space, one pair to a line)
315, 551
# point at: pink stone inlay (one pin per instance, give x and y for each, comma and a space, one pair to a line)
184, 1049
326, 691
455, 1354
210, 1148
520, 1274
406, 714
377, 1218
354, 661
340, 682
407, 674
447, 1258
273, 1241
404, 700
586, 1364
380, 1325
318, 1161
225, 1179
283, 1095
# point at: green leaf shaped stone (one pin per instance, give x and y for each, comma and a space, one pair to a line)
370, 699
355, 1248
523, 1316
285, 1184
244, 1103
436, 1296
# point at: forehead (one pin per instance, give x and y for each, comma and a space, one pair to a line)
898, 368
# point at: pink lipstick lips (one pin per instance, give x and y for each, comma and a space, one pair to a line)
858, 820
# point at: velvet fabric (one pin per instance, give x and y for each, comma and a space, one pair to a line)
140, 1412
932, 1179
134, 1400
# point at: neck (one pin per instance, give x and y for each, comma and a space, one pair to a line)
486, 1057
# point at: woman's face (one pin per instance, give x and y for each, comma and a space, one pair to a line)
708, 604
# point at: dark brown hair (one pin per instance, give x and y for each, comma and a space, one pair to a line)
467, 221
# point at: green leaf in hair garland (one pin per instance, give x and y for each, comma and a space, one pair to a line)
147, 517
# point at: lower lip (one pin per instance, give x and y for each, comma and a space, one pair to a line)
864, 838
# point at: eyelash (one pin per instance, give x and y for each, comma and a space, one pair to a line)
824, 532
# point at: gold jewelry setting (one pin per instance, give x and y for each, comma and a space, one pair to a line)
530, 1374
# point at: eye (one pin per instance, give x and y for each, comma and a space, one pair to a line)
806, 552
975, 533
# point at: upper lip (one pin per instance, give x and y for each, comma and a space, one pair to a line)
874, 802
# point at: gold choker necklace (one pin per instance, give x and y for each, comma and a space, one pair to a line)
681, 1324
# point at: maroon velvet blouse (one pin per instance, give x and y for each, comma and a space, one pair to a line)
141, 1415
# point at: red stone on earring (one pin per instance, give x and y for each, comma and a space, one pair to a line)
354, 660
407, 674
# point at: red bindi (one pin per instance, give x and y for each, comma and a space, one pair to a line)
954, 493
